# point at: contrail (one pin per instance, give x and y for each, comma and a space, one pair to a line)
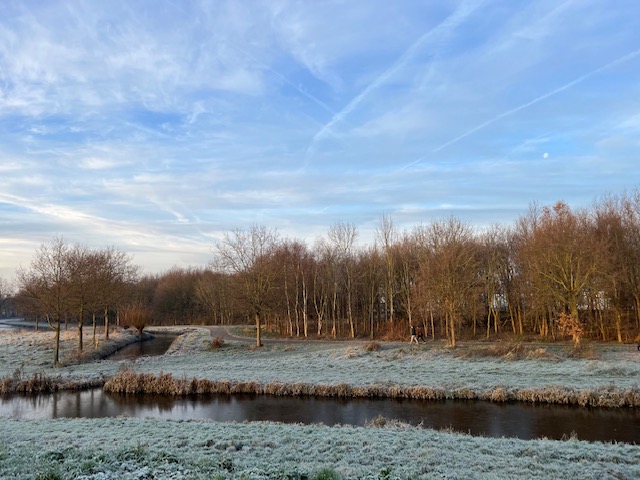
282, 77
450, 23
564, 87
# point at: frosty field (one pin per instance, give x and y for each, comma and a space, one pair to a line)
132, 448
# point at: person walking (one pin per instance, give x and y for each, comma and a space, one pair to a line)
413, 334
420, 334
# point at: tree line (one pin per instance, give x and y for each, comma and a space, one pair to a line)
555, 273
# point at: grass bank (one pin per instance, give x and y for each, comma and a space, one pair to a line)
601, 376
123, 448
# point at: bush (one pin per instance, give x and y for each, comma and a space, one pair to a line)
217, 343
326, 474
136, 316
371, 347
570, 325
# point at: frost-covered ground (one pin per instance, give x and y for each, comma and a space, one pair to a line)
331, 363
130, 448
142, 449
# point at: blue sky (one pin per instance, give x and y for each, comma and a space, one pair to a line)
156, 126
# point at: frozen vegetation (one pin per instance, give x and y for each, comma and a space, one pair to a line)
131, 448
140, 449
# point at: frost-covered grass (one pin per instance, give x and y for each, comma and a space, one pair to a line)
613, 378
126, 448
138, 449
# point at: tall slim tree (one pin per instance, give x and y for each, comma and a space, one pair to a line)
343, 238
386, 235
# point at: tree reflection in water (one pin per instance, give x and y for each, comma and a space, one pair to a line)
520, 420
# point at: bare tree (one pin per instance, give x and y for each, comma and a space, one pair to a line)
343, 238
213, 292
82, 267
114, 272
5, 293
452, 270
564, 256
47, 284
386, 235
494, 262
296, 261
176, 299
371, 270
247, 254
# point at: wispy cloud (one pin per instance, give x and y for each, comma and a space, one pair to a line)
157, 126
433, 39
541, 98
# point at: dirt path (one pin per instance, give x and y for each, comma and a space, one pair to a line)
224, 333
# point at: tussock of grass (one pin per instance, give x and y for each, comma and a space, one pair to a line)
583, 351
506, 351
40, 383
499, 350
371, 347
382, 422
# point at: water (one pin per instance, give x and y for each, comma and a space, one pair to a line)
18, 322
519, 420
157, 345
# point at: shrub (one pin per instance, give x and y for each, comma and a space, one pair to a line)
136, 316
582, 351
326, 474
570, 325
371, 347
217, 343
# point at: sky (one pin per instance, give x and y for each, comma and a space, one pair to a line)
158, 126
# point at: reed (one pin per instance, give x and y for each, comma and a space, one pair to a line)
128, 381
41, 383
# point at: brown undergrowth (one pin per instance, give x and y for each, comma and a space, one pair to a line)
129, 381
41, 383
507, 351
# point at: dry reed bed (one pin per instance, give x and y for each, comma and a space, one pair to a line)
129, 381
40, 383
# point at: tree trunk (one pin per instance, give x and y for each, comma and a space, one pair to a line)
433, 325
305, 317
80, 318
334, 313
452, 323
258, 340
93, 338
349, 311
618, 327
106, 322
56, 348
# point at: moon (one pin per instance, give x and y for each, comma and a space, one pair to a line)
545, 155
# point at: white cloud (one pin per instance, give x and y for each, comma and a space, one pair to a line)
147, 124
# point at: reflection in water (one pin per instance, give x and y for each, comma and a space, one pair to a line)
157, 345
478, 418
